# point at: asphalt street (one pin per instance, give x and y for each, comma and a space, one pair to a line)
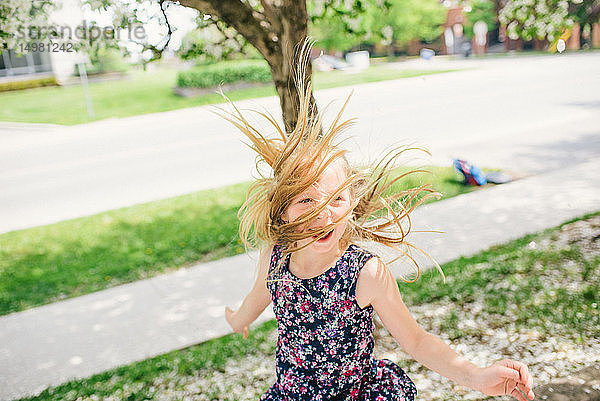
527, 114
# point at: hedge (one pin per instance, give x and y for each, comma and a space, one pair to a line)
224, 73
27, 84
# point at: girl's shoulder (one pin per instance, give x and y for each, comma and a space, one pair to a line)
365, 266
361, 253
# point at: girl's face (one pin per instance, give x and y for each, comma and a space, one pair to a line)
331, 179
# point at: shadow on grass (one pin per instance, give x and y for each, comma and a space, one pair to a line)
114, 253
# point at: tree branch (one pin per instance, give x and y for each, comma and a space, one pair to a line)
594, 12
156, 50
164, 13
242, 18
271, 16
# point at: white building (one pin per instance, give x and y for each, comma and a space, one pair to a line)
34, 65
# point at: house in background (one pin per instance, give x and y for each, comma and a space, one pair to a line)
47, 66
452, 39
36, 65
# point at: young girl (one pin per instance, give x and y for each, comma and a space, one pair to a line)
308, 217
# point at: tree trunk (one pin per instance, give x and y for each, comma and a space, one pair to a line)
292, 33
391, 51
539, 44
277, 33
287, 89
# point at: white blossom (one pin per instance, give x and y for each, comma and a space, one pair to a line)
540, 18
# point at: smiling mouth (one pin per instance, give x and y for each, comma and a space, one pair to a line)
325, 238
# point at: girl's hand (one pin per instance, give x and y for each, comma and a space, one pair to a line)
506, 377
230, 317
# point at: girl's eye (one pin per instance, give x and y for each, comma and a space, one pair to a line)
305, 200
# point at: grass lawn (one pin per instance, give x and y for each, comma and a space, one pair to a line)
528, 299
76, 257
150, 92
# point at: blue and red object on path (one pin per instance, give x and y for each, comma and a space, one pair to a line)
472, 174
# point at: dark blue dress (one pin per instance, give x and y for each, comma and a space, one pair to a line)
325, 340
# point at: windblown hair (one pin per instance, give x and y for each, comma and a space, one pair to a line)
296, 160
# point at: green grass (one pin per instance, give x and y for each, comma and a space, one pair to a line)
76, 257
531, 279
509, 275
150, 92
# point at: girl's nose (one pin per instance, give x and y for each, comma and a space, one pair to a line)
325, 213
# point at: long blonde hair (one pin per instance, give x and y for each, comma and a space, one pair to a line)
296, 160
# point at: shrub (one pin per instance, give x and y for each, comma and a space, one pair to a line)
27, 84
225, 72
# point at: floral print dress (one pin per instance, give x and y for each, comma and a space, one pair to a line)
325, 340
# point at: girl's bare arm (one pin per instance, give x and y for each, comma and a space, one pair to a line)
255, 302
377, 284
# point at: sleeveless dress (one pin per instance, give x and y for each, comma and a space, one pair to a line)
325, 340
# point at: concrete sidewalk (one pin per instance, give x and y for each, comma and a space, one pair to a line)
78, 337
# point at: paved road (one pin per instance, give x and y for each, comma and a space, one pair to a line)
529, 113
